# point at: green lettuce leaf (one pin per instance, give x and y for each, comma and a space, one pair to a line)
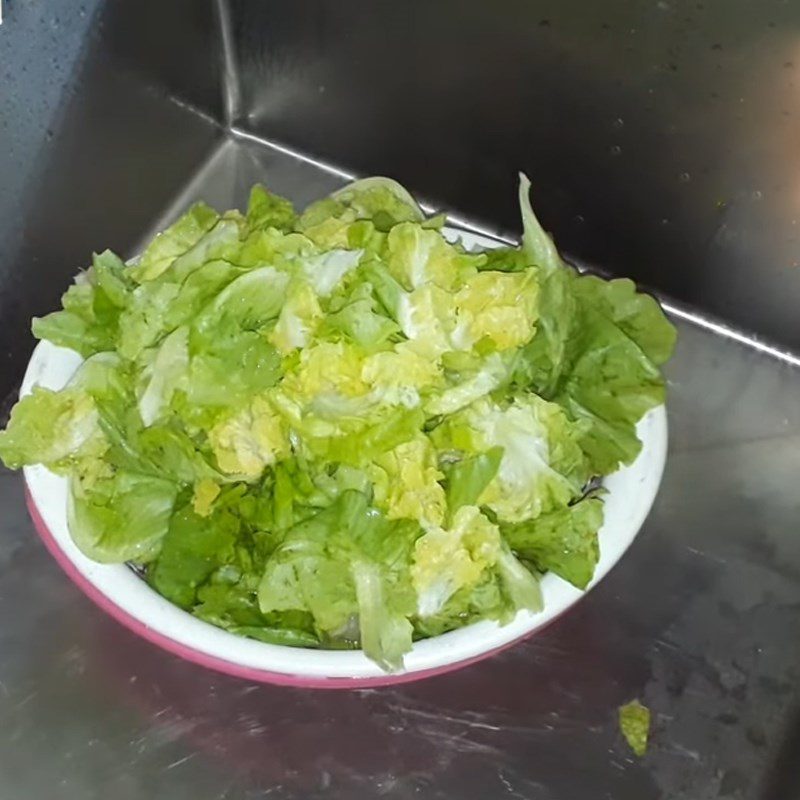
609, 387
596, 350
343, 566
634, 722
637, 315
537, 246
563, 541
174, 242
192, 549
267, 210
49, 428
542, 465
357, 317
120, 518
92, 309
450, 560
468, 478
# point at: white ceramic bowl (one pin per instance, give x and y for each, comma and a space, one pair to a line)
120, 592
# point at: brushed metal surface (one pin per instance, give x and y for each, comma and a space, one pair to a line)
104, 109
660, 135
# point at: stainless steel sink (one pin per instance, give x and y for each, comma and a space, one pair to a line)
661, 138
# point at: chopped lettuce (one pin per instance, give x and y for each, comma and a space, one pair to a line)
596, 351
563, 541
467, 478
406, 482
347, 565
267, 210
249, 440
448, 560
541, 464
122, 517
93, 308
49, 428
174, 242
634, 722
499, 307
338, 428
417, 256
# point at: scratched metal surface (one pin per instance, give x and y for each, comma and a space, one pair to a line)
701, 620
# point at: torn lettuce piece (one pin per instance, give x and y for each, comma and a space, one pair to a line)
479, 379
521, 586
267, 210
537, 245
448, 560
298, 319
193, 547
384, 634
636, 314
563, 541
634, 723
468, 478
123, 517
326, 271
542, 466
609, 387
357, 317
406, 482
217, 242
501, 307
166, 374
346, 566
401, 376
93, 307
176, 240
249, 440
49, 428
367, 198
417, 255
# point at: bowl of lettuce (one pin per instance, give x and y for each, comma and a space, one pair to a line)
345, 446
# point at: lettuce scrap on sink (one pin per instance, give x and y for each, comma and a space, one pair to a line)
340, 428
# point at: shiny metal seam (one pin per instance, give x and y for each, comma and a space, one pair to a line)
708, 323
240, 133
672, 307
191, 108
231, 95
455, 220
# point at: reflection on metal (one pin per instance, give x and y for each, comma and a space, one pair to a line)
721, 329
230, 68
239, 133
